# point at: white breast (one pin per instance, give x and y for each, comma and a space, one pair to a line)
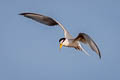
69, 43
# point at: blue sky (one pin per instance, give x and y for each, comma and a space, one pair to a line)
30, 51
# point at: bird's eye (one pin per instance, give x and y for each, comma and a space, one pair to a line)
62, 41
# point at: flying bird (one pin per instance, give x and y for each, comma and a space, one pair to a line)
68, 40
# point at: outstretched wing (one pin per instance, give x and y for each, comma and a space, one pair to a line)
84, 38
47, 21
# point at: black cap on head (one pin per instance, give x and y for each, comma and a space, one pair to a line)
61, 39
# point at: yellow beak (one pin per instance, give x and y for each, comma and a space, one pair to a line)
61, 45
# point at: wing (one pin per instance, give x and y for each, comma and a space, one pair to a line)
84, 38
47, 21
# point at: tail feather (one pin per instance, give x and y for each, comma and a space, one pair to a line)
82, 49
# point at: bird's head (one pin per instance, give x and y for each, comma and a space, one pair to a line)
61, 40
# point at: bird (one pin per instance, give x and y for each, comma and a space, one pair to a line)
68, 40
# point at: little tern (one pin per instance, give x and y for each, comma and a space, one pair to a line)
68, 40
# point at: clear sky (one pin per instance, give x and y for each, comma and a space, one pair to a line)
30, 51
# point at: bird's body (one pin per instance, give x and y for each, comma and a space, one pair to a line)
68, 40
70, 43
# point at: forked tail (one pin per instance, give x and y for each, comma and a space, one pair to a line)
84, 50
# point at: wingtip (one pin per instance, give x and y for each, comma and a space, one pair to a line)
99, 55
25, 13
22, 13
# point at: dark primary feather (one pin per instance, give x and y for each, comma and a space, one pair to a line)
40, 18
88, 40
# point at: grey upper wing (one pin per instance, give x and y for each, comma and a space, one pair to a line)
46, 20
40, 18
88, 40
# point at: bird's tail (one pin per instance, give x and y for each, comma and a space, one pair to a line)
84, 50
